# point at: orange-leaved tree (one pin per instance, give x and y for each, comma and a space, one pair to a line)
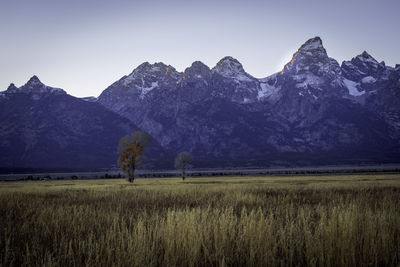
131, 149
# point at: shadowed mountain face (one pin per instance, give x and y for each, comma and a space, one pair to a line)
314, 111
44, 127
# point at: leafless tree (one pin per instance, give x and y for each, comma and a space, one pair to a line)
182, 161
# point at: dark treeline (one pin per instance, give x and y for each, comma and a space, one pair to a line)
202, 173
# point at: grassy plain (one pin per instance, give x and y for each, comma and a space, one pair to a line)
343, 220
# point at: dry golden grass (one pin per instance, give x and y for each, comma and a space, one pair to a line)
348, 220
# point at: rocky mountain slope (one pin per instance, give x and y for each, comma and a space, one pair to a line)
44, 127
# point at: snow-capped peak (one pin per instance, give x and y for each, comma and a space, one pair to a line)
312, 44
311, 57
147, 73
313, 49
155, 69
146, 67
228, 66
231, 68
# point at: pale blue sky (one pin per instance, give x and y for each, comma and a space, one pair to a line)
84, 46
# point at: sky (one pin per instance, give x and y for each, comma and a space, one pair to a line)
83, 46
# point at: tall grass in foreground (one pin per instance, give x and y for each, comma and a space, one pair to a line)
256, 222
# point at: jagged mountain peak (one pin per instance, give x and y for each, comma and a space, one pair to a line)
147, 73
228, 62
158, 69
11, 87
34, 86
312, 58
198, 76
229, 59
365, 54
312, 48
367, 58
312, 44
146, 67
197, 67
230, 67
143, 79
364, 65
197, 70
34, 81
198, 64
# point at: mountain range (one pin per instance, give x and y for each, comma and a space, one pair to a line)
313, 112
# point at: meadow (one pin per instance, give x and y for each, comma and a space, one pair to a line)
335, 220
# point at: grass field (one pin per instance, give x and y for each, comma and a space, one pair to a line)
344, 220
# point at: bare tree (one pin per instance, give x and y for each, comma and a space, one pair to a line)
182, 161
131, 149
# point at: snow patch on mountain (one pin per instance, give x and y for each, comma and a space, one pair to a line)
154, 69
307, 92
367, 58
89, 98
146, 90
368, 79
241, 77
268, 88
129, 79
352, 87
305, 80
314, 43
267, 91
